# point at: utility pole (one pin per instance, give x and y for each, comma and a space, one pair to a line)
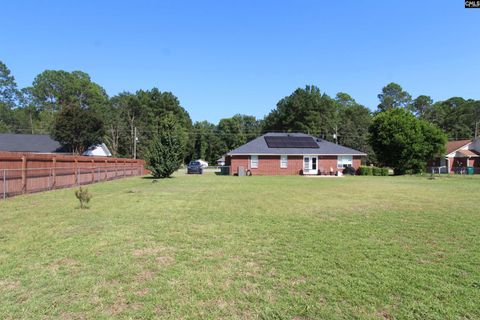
477, 125
335, 135
135, 143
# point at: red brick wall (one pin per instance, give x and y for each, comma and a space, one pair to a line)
327, 162
237, 161
270, 165
357, 162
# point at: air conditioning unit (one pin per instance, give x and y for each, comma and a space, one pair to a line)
241, 171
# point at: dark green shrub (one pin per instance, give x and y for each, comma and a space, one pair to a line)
365, 171
165, 153
384, 171
349, 171
376, 171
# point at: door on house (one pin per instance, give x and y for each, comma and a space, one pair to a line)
310, 165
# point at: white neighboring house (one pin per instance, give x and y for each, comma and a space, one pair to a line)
221, 161
203, 163
99, 150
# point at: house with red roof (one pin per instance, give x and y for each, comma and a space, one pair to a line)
459, 155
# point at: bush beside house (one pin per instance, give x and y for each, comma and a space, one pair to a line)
372, 171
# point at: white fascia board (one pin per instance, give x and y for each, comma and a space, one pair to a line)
296, 154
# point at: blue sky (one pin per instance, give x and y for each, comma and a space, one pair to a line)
226, 57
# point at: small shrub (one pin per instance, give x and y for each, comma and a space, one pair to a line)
419, 171
83, 196
349, 171
365, 171
384, 171
409, 171
376, 171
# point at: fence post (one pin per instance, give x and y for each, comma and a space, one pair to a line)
75, 172
105, 170
4, 183
54, 173
93, 171
124, 165
24, 174
78, 176
50, 178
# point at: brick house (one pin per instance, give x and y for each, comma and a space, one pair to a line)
292, 154
458, 156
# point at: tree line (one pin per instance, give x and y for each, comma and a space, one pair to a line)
78, 113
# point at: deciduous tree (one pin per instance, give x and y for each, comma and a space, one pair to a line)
77, 128
403, 142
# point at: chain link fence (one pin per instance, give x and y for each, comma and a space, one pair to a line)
20, 181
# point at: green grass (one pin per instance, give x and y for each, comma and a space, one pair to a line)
214, 247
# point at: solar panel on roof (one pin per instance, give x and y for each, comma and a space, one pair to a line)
290, 142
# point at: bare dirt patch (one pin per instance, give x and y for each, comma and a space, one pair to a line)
298, 281
64, 262
384, 314
122, 305
9, 285
149, 251
142, 292
145, 276
164, 260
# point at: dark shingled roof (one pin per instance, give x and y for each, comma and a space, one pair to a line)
259, 146
40, 143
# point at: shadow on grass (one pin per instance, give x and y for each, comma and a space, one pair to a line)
152, 178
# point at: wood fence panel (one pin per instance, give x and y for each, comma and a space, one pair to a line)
29, 172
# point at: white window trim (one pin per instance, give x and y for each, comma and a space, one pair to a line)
283, 161
253, 161
341, 161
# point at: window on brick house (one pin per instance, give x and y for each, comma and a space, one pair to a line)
344, 161
283, 161
253, 162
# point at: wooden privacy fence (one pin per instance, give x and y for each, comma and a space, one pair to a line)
27, 172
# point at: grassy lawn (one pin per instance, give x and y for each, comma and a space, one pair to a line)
213, 247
